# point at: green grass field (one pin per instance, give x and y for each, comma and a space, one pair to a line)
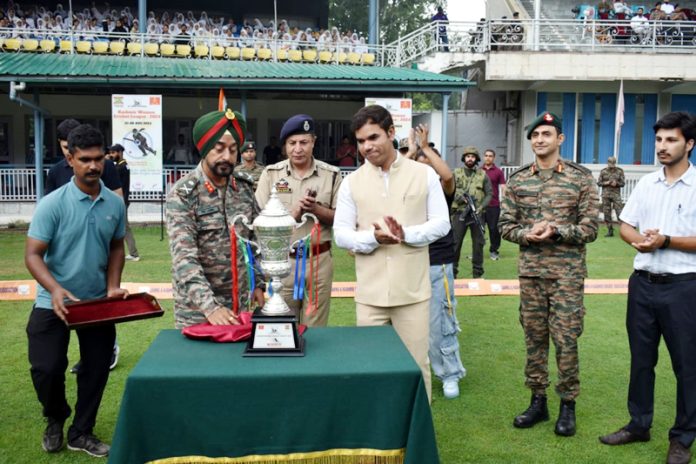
475, 428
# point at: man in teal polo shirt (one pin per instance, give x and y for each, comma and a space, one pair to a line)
75, 251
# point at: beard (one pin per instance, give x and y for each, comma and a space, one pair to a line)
221, 169
672, 160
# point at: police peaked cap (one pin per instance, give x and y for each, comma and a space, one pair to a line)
298, 124
545, 119
210, 127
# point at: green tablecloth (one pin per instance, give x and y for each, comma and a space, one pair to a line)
356, 389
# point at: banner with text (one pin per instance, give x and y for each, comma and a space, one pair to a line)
137, 125
401, 112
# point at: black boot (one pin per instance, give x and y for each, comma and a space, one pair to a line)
610, 232
565, 425
535, 413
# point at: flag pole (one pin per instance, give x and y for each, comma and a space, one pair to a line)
618, 122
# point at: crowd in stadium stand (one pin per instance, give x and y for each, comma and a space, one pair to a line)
661, 11
93, 24
665, 23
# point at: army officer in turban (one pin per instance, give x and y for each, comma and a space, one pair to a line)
200, 208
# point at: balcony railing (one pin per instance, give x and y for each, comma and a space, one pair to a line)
578, 35
573, 35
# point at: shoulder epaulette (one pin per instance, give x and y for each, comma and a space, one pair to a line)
577, 166
277, 166
326, 166
523, 168
186, 186
243, 176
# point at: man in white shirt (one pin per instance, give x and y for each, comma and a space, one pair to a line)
659, 221
666, 7
622, 7
387, 213
639, 24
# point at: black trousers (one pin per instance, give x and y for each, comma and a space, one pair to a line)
459, 229
48, 356
667, 310
492, 215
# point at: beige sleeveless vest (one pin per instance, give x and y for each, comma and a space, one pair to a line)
392, 275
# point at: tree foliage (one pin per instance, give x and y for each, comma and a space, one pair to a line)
396, 17
425, 102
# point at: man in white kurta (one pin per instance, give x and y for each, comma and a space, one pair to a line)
387, 213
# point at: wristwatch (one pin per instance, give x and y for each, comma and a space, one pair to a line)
556, 237
666, 243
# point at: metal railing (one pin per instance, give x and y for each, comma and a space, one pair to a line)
578, 35
18, 183
630, 178
453, 37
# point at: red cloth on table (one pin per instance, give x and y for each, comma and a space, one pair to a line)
225, 333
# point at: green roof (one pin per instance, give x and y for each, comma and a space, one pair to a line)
76, 70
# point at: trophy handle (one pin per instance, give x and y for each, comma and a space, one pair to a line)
245, 222
304, 220
293, 245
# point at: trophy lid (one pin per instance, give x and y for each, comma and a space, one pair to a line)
274, 214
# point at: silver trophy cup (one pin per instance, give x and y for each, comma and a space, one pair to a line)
274, 227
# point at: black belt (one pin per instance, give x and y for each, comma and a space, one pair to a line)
665, 278
323, 246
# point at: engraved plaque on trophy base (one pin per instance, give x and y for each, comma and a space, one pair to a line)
274, 336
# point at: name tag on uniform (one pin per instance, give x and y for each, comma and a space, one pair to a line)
527, 194
205, 210
282, 186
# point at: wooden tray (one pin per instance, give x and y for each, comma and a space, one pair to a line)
112, 310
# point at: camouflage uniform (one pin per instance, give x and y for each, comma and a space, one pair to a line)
477, 184
611, 195
254, 172
551, 273
199, 220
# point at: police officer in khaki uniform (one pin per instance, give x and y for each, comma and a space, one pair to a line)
305, 185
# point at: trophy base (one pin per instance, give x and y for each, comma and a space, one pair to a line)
274, 336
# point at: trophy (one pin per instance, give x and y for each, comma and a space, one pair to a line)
274, 327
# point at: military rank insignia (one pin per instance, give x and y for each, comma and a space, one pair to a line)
187, 187
282, 186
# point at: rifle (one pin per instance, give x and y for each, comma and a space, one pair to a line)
471, 209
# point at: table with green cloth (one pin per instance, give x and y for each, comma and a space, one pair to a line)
356, 396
